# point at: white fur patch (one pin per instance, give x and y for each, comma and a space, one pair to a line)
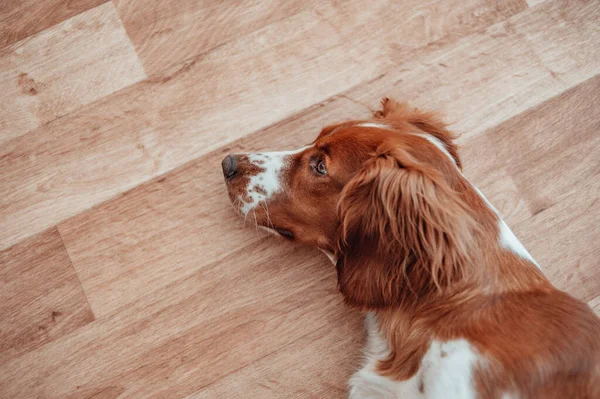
366, 383
432, 139
438, 143
445, 370
374, 124
331, 256
507, 238
268, 182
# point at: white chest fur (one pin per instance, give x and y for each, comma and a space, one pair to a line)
445, 370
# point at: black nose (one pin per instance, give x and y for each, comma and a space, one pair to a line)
229, 165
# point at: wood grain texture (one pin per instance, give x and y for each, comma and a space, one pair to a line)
566, 246
503, 70
41, 299
317, 365
152, 127
168, 34
47, 75
22, 18
192, 332
533, 3
550, 151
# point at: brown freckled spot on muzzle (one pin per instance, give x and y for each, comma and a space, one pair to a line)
250, 168
247, 198
260, 190
421, 384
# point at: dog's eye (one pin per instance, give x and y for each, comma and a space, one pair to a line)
320, 168
285, 233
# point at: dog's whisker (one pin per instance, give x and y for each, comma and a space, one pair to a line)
269, 222
255, 220
268, 215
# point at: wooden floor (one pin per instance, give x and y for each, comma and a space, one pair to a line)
124, 271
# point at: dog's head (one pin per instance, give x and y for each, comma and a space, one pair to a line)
384, 197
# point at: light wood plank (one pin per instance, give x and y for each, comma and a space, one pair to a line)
488, 77
533, 3
20, 19
165, 38
561, 152
41, 299
169, 34
46, 76
146, 130
548, 152
317, 365
563, 239
50, 74
192, 333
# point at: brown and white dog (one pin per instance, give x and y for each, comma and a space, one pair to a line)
456, 306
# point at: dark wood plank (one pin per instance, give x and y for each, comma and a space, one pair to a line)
41, 299
19, 19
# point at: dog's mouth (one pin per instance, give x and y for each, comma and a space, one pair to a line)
285, 233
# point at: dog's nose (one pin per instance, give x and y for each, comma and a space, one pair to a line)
229, 165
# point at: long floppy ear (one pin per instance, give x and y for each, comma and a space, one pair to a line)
404, 232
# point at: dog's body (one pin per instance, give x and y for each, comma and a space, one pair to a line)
456, 306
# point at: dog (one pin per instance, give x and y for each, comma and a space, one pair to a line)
455, 305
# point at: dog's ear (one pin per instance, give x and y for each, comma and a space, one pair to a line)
427, 122
404, 232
